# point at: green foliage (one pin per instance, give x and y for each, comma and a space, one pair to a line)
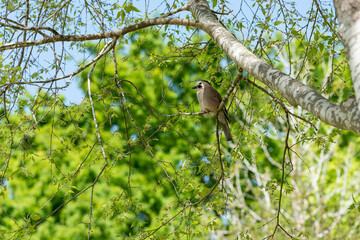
142, 187
162, 170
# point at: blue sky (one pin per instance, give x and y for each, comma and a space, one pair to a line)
73, 93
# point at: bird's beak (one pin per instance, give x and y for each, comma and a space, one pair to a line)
194, 87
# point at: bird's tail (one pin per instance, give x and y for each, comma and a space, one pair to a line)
226, 129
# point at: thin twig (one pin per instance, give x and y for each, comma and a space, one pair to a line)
111, 44
180, 9
278, 101
326, 21
154, 109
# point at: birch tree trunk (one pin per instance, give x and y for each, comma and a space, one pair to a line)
348, 15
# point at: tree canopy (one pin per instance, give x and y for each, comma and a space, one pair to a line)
136, 159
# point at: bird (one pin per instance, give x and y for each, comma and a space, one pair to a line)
209, 101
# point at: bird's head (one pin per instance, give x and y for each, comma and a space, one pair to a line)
201, 84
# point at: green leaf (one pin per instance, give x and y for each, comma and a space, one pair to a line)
214, 3
352, 195
130, 8
35, 217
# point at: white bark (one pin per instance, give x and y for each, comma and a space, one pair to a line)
343, 116
348, 15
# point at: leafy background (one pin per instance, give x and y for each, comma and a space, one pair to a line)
157, 164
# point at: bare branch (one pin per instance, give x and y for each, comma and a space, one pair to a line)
97, 36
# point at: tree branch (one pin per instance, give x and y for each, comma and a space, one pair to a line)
96, 36
342, 116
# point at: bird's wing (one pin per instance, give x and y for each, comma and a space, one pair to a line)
217, 95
